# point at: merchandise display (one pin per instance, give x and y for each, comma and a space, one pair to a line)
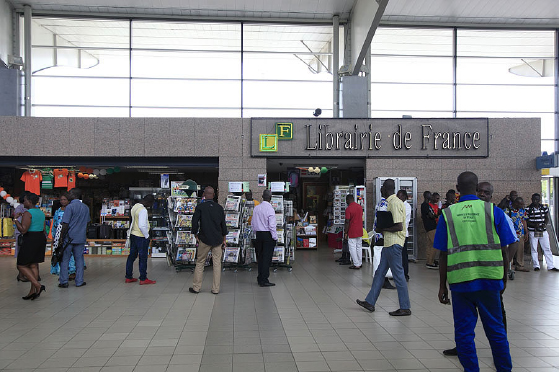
182, 242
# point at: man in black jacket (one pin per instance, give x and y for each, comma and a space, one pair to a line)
208, 225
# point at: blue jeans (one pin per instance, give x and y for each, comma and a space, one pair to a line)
465, 308
391, 257
77, 251
138, 247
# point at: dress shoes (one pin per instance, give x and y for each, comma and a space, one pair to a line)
451, 352
81, 285
366, 305
387, 284
63, 285
400, 312
267, 284
191, 290
554, 269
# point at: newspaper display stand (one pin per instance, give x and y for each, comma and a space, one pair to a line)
239, 234
284, 251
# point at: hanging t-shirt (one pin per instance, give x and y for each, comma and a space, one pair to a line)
47, 182
60, 178
32, 181
71, 180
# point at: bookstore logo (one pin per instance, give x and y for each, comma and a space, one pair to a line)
269, 142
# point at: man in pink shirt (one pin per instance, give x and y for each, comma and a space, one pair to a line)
264, 224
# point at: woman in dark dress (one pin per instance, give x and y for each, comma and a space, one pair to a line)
32, 250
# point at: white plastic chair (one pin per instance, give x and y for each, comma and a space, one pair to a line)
367, 255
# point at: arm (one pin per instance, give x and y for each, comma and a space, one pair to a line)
143, 223
443, 290
224, 231
272, 225
346, 228
23, 226
504, 251
526, 237
195, 223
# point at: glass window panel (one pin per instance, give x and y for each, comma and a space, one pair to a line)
202, 65
76, 62
287, 95
505, 98
181, 112
412, 41
411, 69
412, 97
57, 111
413, 114
505, 71
275, 66
96, 33
186, 35
505, 43
80, 91
278, 112
186, 93
548, 145
287, 38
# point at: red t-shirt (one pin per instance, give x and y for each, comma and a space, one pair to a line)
60, 177
32, 181
435, 208
354, 214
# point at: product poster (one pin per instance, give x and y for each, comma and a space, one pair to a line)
261, 180
164, 181
246, 186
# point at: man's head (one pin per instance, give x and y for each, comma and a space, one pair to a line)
435, 197
209, 193
387, 188
148, 200
75, 194
536, 199
248, 195
267, 195
427, 195
402, 195
451, 196
349, 199
513, 195
466, 183
485, 191
518, 203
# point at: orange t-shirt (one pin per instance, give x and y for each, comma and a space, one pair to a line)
60, 177
32, 181
71, 180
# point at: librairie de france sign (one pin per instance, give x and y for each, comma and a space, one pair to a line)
382, 138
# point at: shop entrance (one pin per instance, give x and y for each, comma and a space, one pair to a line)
312, 186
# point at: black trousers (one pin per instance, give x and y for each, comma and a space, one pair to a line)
405, 263
264, 246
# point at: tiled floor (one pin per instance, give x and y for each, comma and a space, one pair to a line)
308, 322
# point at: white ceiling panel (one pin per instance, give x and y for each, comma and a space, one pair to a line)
513, 12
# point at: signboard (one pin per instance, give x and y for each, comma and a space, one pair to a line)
370, 138
235, 187
277, 186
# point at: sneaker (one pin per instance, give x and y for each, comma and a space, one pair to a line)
536, 269
147, 281
130, 280
431, 266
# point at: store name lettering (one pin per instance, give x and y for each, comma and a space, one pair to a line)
431, 139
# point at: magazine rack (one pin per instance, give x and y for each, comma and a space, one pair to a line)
284, 252
237, 213
183, 246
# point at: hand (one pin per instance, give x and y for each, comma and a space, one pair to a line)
504, 286
378, 229
443, 296
526, 238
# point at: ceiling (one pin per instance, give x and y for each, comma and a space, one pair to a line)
544, 13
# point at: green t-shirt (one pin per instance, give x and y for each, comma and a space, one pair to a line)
37, 220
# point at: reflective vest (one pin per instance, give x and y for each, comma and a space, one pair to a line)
474, 248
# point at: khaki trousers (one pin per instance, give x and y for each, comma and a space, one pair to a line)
203, 250
431, 252
518, 248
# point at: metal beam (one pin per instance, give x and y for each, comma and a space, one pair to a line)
363, 30
336, 66
27, 65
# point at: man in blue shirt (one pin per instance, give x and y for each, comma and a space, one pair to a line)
74, 227
476, 296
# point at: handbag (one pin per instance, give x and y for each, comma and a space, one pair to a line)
20, 240
58, 249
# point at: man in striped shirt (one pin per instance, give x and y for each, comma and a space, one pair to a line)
538, 216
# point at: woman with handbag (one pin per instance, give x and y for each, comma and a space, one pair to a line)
32, 249
56, 225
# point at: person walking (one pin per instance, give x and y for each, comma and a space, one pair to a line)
32, 250
472, 236
139, 241
538, 217
74, 228
264, 224
391, 256
208, 225
353, 231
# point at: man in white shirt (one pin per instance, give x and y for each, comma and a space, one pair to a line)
403, 196
264, 224
139, 240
